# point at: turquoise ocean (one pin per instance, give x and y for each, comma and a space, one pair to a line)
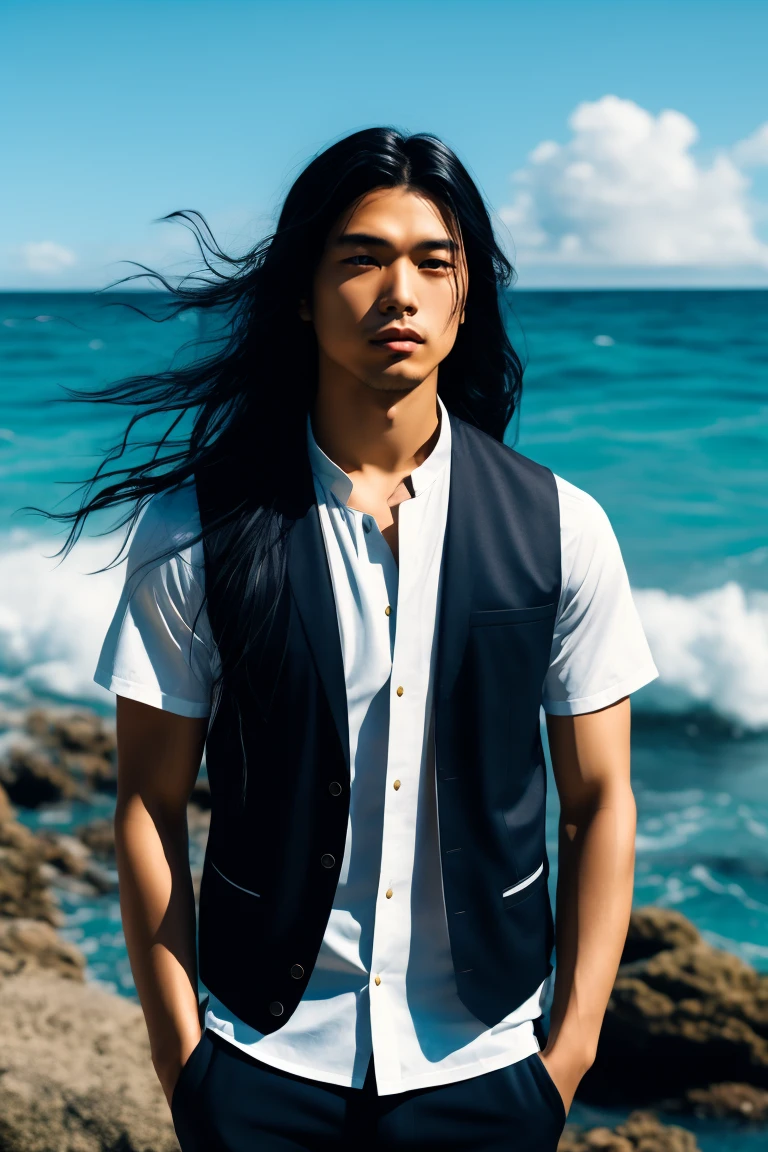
655, 402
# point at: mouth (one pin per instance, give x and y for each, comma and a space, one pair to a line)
396, 342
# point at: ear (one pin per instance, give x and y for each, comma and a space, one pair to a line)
304, 311
463, 316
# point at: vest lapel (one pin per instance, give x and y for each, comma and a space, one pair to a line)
310, 580
456, 573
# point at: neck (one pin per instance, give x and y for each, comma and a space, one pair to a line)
359, 427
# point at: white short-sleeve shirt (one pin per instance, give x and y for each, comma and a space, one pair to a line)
412, 1021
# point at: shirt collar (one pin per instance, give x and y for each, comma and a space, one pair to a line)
336, 480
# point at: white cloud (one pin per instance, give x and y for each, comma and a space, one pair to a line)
625, 191
752, 152
46, 257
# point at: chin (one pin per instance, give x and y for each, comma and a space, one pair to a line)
393, 383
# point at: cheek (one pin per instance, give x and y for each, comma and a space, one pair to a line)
337, 316
444, 315
446, 331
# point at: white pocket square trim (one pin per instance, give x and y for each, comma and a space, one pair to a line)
524, 883
248, 890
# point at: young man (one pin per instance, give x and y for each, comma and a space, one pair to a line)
375, 925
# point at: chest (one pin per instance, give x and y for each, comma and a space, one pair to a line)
386, 604
380, 503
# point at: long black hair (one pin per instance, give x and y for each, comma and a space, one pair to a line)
247, 399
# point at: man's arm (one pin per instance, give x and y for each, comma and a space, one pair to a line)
158, 758
596, 858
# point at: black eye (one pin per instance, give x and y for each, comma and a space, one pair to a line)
434, 260
351, 259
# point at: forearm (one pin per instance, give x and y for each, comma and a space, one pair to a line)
158, 912
596, 857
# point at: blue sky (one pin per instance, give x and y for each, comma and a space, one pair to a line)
617, 142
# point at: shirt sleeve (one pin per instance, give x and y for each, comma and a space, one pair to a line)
149, 652
599, 649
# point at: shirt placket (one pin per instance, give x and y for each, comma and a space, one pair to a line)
392, 924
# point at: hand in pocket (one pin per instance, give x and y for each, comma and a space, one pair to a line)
171, 1075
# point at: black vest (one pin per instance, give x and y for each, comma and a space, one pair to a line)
274, 851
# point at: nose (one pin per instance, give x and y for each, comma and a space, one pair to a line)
399, 293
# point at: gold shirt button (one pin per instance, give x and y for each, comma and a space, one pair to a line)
396, 785
389, 893
400, 690
377, 980
387, 611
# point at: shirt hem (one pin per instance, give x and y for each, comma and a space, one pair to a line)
337, 1078
601, 699
388, 1087
462, 1072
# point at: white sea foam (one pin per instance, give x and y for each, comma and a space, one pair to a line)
711, 649
53, 618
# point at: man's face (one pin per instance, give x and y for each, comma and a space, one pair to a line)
388, 263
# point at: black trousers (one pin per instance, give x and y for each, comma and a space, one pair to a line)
227, 1101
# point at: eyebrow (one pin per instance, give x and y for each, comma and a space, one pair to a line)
352, 239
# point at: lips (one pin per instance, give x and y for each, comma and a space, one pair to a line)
398, 340
398, 336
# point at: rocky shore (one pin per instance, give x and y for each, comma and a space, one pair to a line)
686, 1031
686, 1026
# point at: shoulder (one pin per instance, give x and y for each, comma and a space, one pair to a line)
166, 530
582, 518
589, 548
480, 446
579, 510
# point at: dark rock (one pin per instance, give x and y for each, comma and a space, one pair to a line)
98, 772
27, 944
60, 756
65, 853
23, 885
77, 1074
32, 778
7, 811
640, 1132
726, 1101
30, 862
687, 1017
729, 1101
75, 731
67, 863
653, 930
99, 836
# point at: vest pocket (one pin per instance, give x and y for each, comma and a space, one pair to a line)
243, 918
525, 887
248, 891
512, 615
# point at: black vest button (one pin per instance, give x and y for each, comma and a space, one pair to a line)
297, 971
276, 1008
327, 860
334, 788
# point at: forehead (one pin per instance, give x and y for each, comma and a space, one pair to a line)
399, 215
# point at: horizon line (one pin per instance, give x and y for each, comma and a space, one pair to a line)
529, 288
